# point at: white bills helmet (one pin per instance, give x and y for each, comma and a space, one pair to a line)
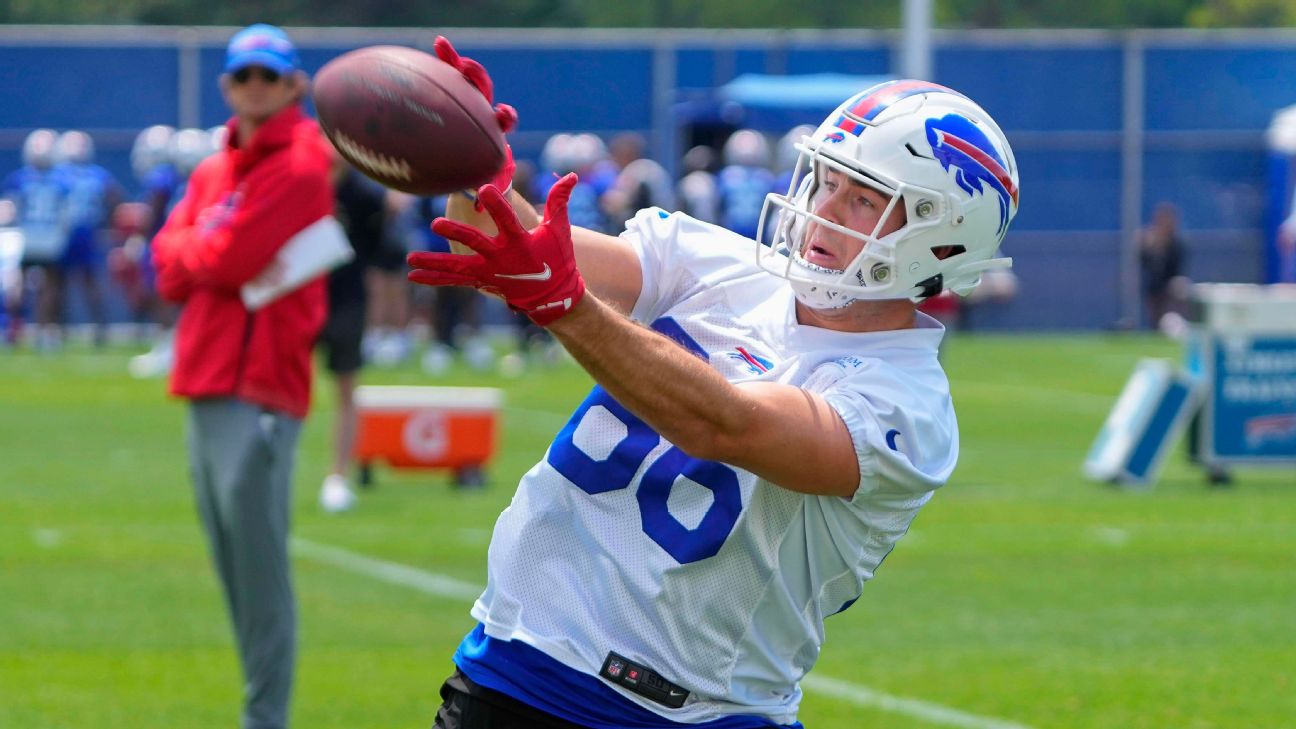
747, 148
151, 149
75, 147
188, 147
928, 149
39, 149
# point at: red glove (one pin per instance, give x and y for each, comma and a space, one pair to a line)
502, 181
505, 115
534, 271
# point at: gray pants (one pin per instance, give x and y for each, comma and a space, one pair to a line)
241, 457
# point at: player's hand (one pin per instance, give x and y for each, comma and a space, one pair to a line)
502, 181
534, 271
505, 115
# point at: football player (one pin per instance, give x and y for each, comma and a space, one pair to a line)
39, 194
767, 422
93, 193
744, 181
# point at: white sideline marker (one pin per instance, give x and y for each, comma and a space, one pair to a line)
430, 583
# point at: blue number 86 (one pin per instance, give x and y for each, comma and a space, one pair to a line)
617, 470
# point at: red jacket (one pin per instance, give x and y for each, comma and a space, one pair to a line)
240, 207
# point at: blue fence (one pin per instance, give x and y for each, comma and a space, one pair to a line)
1105, 125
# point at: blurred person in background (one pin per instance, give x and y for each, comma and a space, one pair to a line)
957, 313
785, 159
11, 244
151, 162
640, 182
744, 181
1161, 265
456, 312
130, 262
93, 193
247, 374
39, 195
579, 153
786, 154
532, 343
767, 422
387, 340
361, 210
186, 149
699, 195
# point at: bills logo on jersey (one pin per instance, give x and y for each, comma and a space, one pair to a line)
867, 105
757, 364
961, 145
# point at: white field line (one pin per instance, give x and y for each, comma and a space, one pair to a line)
392, 573
917, 708
430, 583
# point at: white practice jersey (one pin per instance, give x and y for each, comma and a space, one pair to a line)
717, 580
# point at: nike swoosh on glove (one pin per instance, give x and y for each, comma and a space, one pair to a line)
533, 270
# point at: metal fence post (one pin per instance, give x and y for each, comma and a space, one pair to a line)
1131, 209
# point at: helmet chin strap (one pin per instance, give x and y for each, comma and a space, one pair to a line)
814, 294
817, 297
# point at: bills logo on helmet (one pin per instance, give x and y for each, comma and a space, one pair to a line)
960, 144
755, 363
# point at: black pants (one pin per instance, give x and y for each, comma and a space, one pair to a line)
465, 705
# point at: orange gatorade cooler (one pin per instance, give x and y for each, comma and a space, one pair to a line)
427, 427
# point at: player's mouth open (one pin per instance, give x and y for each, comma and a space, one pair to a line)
821, 256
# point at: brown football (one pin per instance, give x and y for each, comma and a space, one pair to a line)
408, 120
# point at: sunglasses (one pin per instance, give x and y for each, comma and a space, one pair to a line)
245, 74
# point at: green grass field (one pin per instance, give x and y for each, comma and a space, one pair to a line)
1023, 596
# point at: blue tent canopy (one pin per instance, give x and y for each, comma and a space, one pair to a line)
774, 103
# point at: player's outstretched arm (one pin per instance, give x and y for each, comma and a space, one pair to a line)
782, 433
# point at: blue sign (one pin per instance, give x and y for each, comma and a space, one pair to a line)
1252, 411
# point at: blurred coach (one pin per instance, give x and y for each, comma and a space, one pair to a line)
247, 374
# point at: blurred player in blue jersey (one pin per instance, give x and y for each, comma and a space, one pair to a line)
698, 196
744, 181
39, 194
137, 222
767, 422
163, 158
93, 193
786, 155
579, 153
157, 177
640, 182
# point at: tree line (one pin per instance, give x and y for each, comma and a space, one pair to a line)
879, 14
